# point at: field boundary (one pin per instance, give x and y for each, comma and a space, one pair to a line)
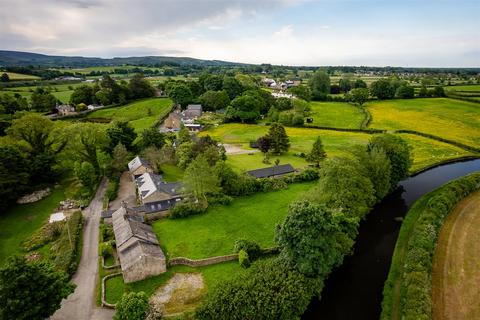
430, 211
104, 291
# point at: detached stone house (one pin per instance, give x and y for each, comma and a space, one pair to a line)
192, 112
65, 109
138, 248
139, 166
152, 188
272, 172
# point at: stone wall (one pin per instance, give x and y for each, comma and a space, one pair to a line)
201, 262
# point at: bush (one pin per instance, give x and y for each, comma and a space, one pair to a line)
309, 174
186, 209
106, 249
243, 259
220, 198
252, 248
48, 233
268, 184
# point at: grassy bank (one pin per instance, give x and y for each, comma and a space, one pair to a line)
407, 291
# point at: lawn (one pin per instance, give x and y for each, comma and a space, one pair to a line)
214, 232
448, 118
171, 172
142, 114
21, 221
211, 274
335, 114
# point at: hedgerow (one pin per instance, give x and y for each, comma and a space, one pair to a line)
415, 269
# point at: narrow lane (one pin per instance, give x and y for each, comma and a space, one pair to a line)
81, 304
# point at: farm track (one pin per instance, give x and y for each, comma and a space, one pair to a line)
456, 267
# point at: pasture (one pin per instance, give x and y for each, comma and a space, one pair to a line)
141, 114
335, 114
19, 76
426, 152
447, 118
214, 233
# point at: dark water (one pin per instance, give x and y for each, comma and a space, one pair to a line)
354, 290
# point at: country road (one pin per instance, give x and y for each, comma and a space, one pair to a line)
81, 304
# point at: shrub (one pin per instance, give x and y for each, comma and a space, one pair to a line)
219, 198
186, 209
252, 248
106, 249
243, 259
48, 233
112, 187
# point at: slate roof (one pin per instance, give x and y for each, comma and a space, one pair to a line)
149, 183
134, 238
272, 171
136, 163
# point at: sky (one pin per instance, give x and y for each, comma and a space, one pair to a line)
422, 33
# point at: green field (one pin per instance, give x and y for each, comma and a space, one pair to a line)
18, 76
141, 114
447, 118
21, 221
335, 114
214, 232
61, 91
426, 151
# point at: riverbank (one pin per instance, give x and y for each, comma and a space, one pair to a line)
407, 291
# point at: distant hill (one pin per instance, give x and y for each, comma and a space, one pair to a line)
18, 58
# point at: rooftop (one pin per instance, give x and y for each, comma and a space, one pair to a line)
272, 171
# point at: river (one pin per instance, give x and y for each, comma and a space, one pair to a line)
354, 290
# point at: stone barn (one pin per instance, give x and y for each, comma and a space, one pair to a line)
138, 249
139, 166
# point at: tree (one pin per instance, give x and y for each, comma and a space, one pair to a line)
273, 114
140, 87
119, 158
358, 95
263, 144
85, 172
345, 84
212, 82
359, 83
85, 142
397, 151
320, 85
14, 175
302, 92
200, 179
279, 142
132, 306
382, 89
232, 87
152, 137
378, 169
344, 187
267, 290
284, 104
42, 101
82, 94
44, 144
184, 135
4, 77
121, 132
317, 153
423, 92
405, 91
31, 290
180, 94
313, 240
438, 91
214, 100
245, 108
